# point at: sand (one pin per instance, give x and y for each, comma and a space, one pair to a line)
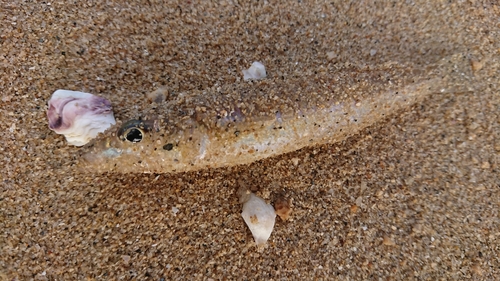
416, 196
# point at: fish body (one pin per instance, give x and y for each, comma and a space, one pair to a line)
242, 123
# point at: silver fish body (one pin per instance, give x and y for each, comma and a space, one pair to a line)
242, 123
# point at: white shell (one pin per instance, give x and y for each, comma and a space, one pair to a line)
79, 116
259, 217
256, 71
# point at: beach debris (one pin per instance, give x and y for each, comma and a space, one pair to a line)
79, 116
388, 241
283, 207
331, 56
258, 215
476, 65
158, 96
256, 71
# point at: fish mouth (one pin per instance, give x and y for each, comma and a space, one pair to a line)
98, 155
95, 157
115, 151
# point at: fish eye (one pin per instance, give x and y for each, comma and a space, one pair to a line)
135, 130
133, 135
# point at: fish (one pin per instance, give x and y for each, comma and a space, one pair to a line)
240, 123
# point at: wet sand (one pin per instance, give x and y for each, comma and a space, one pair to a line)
413, 197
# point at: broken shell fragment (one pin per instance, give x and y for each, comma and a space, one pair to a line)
283, 207
259, 217
256, 71
79, 116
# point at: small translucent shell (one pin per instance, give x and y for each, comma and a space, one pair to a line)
258, 215
79, 116
256, 71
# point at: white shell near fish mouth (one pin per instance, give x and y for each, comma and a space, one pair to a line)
79, 116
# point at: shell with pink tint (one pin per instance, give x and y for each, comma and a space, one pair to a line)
79, 116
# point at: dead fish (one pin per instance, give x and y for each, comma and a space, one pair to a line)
242, 123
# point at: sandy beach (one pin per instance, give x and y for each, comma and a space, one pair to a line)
415, 196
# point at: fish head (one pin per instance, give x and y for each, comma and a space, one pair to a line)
123, 147
143, 146
117, 146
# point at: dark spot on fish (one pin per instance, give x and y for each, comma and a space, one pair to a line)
168, 147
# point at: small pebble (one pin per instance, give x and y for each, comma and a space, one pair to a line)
476, 65
158, 96
354, 209
388, 241
283, 207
